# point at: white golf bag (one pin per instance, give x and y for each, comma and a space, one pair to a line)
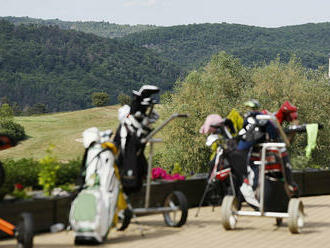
93, 210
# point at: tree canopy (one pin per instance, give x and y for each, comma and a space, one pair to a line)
103, 29
193, 45
225, 84
60, 68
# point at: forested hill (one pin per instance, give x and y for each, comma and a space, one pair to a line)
62, 68
103, 29
193, 45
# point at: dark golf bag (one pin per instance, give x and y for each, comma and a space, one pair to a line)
223, 178
135, 121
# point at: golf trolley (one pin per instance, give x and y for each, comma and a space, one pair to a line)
113, 170
24, 230
292, 209
220, 181
176, 201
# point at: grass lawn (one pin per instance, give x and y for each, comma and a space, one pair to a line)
61, 130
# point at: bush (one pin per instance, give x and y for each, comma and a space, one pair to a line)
6, 111
48, 172
68, 173
12, 129
225, 84
23, 171
123, 99
100, 99
26, 172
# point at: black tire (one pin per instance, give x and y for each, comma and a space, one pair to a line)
215, 194
279, 221
128, 214
177, 199
25, 230
82, 240
2, 174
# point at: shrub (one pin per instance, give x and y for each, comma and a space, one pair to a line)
6, 111
38, 108
123, 99
27, 171
48, 172
100, 99
225, 84
12, 129
23, 171
68, 172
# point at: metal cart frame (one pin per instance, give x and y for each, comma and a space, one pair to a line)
170, 206
295, 214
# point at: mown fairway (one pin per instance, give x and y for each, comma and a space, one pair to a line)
61, 130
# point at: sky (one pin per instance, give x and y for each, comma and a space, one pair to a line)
263, 13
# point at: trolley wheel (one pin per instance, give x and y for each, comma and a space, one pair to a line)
25, 231
296, 215
125, 219
229, 205
177, 217
2, 174
279, 221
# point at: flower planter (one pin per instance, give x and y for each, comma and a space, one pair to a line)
45, 211
316, 182
50, 210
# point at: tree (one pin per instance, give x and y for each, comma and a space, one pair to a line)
4, 100
100, 99
6, 111
123, 99
224, 84
38, 108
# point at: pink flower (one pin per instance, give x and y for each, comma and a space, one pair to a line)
159, 173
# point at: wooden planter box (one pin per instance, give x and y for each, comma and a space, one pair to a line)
44, 211
48, 211
316, 182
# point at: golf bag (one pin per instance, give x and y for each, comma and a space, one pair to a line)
222, 179
135, 121
93, 211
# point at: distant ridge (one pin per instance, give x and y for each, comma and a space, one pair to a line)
103, 29
192, 45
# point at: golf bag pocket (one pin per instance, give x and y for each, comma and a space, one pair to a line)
88, 214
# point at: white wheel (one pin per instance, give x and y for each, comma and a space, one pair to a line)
229, 205
296, 215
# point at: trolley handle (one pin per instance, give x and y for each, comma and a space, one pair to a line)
300, 128
182, 115
173, 116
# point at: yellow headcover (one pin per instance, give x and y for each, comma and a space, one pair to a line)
237, 120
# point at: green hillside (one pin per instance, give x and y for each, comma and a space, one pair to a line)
103, 29
62, 130
193, 45
61, 68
